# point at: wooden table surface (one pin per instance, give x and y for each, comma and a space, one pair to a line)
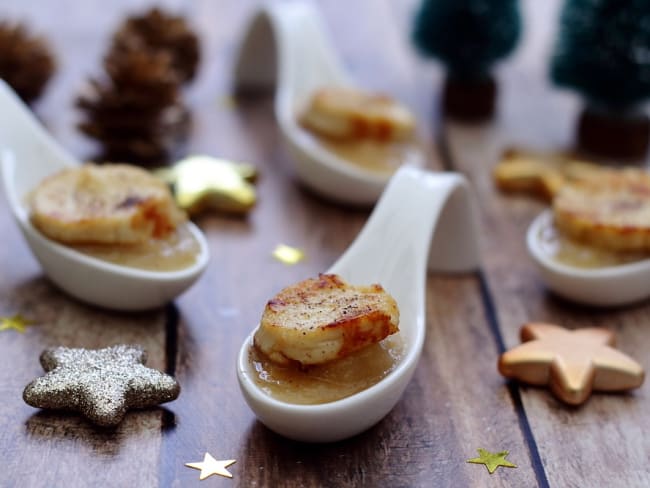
457, 401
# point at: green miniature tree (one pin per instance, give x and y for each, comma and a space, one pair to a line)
603, 52
468, 37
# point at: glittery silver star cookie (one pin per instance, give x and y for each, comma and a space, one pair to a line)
100, 384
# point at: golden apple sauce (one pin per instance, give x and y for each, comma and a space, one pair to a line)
382, 157
327, 382
572, 253
177, 251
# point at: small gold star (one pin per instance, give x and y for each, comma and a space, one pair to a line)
211, 466
227, 102
17, 322
201, 182
287, 254
492, 460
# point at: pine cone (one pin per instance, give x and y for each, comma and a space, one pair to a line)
136, 112
26, 63
161, 31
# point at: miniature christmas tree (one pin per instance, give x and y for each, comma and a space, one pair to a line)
468, 37
603, 52
136, 112
26, 63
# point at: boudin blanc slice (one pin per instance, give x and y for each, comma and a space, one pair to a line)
322, 319
611, 213
346, 113
109, 204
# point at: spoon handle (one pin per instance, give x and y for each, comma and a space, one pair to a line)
421, 217
35, 154
285, 45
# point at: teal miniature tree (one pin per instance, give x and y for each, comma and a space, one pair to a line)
603, 52
468, 37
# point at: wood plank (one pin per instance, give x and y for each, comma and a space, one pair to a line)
602, 441
39, 447
58, 449
456, 402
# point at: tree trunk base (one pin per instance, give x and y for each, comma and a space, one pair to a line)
469, 101
612, 135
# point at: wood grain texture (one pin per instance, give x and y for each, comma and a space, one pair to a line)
456, 402
40, 448
48, 449
603, 439
417, 442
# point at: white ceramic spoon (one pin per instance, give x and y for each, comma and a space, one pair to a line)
285, 45
392, 249
27, 155
609, 286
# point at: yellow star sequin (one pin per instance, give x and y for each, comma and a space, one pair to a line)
227, 102
287, 254
492, 460
17, 322
201, 182
210, 466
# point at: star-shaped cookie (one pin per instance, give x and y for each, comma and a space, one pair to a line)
100, 384
571, 363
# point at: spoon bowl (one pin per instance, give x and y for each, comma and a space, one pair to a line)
608, 286
421, 217
286, 46
28, 154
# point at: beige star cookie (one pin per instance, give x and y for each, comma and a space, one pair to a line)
571, 363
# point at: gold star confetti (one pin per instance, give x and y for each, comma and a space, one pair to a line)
227, 102
16, 322
492, 460
211, 466
571, 362
287, 254
201, 182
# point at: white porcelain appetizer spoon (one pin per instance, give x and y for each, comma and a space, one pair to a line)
607, 286
286, 46
393, 250
28, 154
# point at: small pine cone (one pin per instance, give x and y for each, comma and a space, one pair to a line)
161, 31
136, 113
26, 62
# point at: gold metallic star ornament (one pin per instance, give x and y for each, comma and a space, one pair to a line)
15, 322
204, 182
101, 384
571, 363
210, 466
492, 460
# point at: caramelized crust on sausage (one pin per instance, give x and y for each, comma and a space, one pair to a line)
322, 319
611, 213
109, 204
346, 113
